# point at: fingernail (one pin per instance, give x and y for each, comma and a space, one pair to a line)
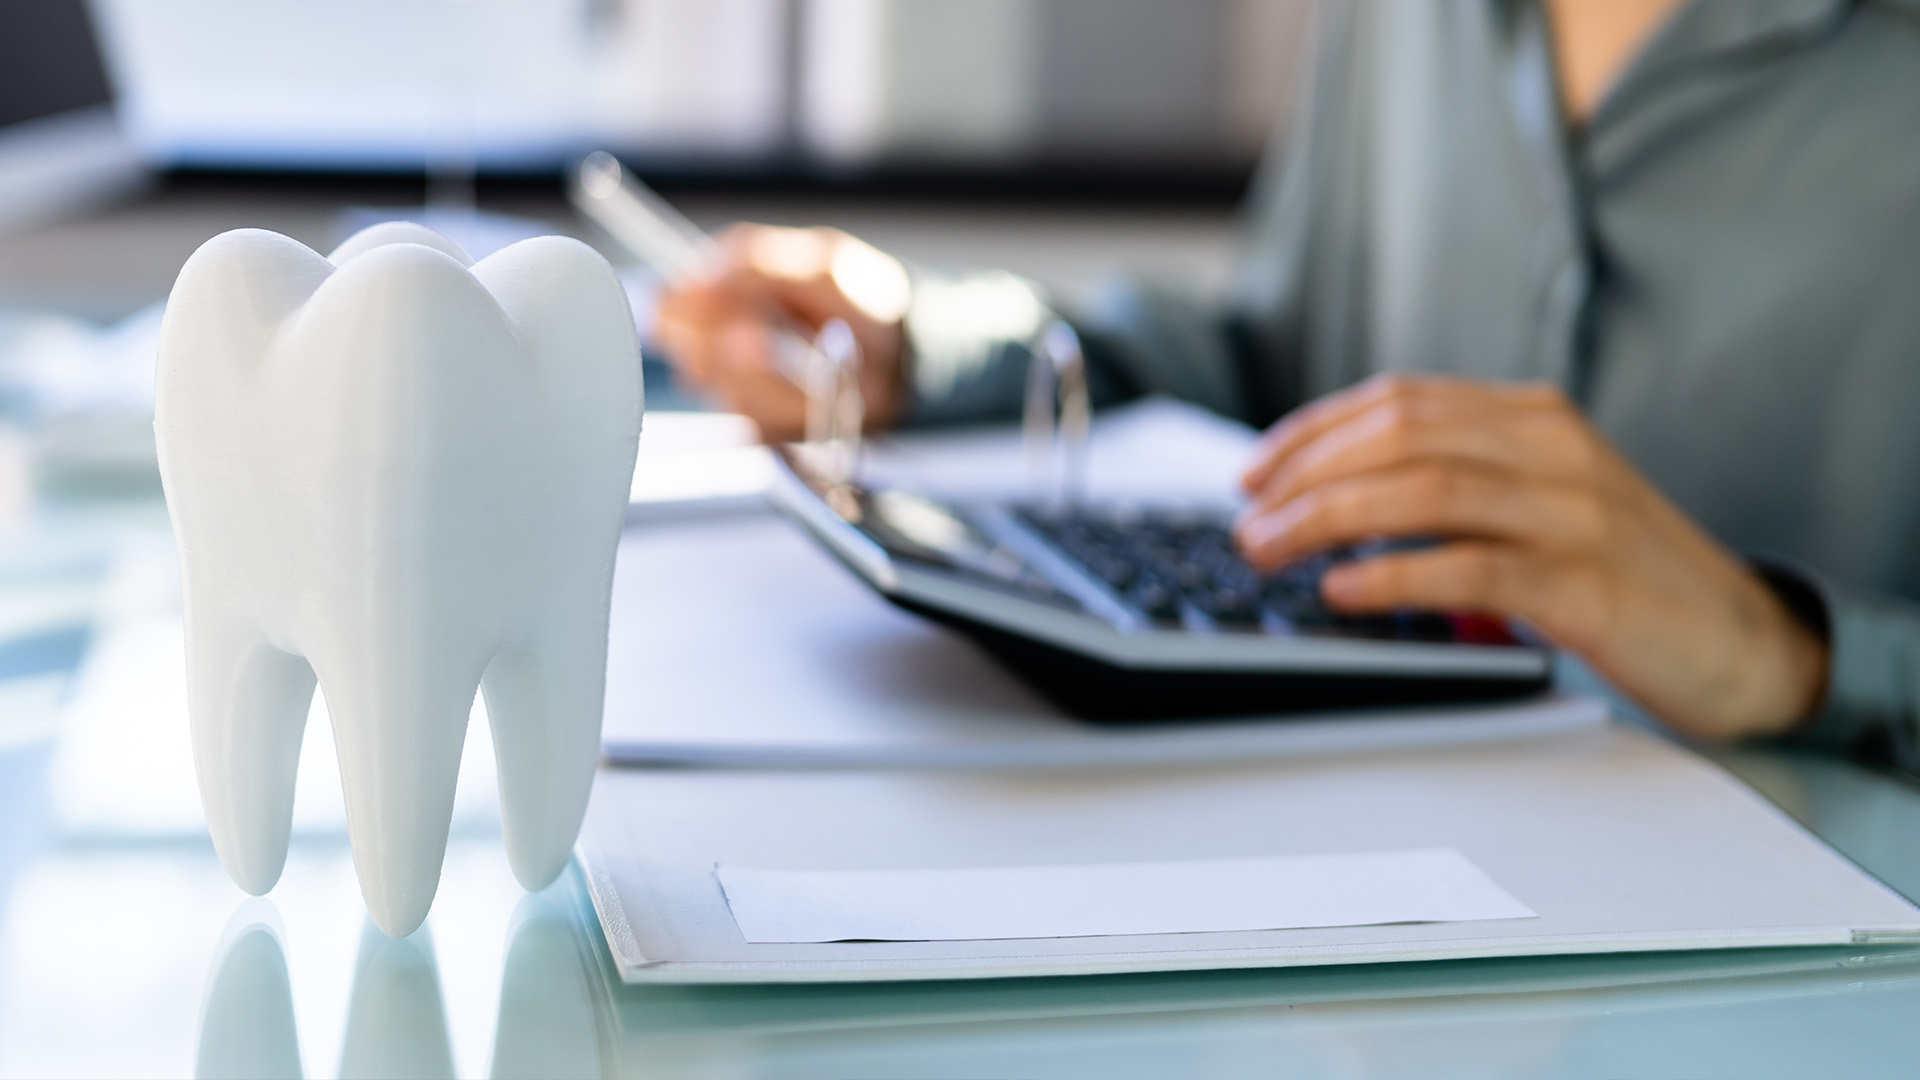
1252, 532
1340, 586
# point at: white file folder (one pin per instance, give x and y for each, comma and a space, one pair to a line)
1617, 839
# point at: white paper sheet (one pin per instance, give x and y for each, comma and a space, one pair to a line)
1288, 892
1155, 449
703, 464
695, 465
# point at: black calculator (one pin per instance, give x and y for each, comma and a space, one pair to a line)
1146, 612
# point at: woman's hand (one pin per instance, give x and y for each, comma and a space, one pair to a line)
718, 329
1547, 523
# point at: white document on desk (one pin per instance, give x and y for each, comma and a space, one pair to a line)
710, 464
1275, 892
1617, 840
1155, 449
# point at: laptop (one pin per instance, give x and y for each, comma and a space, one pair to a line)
1131, 612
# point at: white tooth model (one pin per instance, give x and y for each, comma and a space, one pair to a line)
405, 473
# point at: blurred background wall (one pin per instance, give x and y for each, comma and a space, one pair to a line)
746, 88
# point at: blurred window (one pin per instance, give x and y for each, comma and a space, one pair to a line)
746, 85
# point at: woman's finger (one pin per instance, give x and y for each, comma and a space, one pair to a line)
1305, 424
775, 407
811, 276
1403, 399
1545, 444
1446, 499
747, 382
690, 320
1562, 598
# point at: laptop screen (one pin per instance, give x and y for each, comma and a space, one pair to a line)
49, 63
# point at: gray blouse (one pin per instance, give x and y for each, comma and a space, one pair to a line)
1723, 268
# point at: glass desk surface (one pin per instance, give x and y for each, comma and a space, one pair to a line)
125, 951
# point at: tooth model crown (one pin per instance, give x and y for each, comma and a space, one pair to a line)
406, 474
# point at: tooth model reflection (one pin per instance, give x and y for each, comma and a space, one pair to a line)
555, 1018
404, 474
246, 1019
396, 1020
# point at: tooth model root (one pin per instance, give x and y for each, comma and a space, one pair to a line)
399, 737
545, 769
410, 473
250, 703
